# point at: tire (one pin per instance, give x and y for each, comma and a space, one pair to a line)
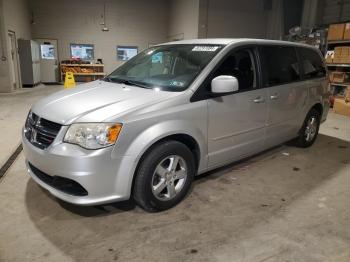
305, 138
169, 165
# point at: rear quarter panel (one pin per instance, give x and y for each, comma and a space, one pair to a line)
317, 93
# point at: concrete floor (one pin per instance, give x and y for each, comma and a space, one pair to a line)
14, 108
287, 204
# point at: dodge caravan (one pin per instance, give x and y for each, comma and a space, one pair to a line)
171, 112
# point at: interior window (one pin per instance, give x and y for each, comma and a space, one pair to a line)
279, 64
312, 63
240, 65
159, 64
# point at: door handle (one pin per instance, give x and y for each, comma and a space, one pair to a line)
259, 99
274, 96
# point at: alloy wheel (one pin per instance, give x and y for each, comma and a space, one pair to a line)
311, 128
169, 177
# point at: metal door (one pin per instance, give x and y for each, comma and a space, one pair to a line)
236, 122
48, 60
236, 125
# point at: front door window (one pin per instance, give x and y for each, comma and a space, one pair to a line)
241, 65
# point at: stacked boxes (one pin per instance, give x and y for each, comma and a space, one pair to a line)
341, 55
338, 37
338, 32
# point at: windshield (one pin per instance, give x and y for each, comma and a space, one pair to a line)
167, 67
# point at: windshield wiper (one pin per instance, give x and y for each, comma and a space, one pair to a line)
126, 82
134, 83
107, 79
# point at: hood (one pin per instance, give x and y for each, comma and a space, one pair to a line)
96, 101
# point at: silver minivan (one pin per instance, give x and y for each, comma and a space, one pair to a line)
174, 111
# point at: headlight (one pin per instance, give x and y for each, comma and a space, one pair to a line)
93, 135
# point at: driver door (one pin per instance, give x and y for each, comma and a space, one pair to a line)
236, 122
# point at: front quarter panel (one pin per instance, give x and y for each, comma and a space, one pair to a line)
140, 133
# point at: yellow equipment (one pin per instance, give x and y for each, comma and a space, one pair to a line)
69, 81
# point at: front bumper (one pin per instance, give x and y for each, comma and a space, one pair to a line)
105, 178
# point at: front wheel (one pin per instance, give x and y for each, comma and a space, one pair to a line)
164, 176
309, 131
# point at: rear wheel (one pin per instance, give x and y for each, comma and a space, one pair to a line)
164, 176
309, 131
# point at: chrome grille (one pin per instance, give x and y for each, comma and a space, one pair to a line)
39, 131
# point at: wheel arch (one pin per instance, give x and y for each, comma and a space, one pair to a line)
318, 107
183, 138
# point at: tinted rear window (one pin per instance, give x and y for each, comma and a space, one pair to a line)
312, 63
279, 65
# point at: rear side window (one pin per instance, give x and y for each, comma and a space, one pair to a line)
279, 65
312, 63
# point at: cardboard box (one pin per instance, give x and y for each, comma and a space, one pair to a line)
347, 31
342, 51
341, 60
336, 31
347, 95
345, 60
345, 51
341, 107
331, 76
338, 51
337, 60
338, 77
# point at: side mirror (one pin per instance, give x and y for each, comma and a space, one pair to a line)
224, 84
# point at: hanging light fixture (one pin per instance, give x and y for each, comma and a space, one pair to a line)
103, 23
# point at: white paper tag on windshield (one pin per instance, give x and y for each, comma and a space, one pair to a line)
202, 48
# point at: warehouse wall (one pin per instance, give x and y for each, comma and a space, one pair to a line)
324, 12
4, 68
312, 13
14, 16
17, 17
137, 22
232, 18
275, 19
224, 18
183, 22
335, 11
